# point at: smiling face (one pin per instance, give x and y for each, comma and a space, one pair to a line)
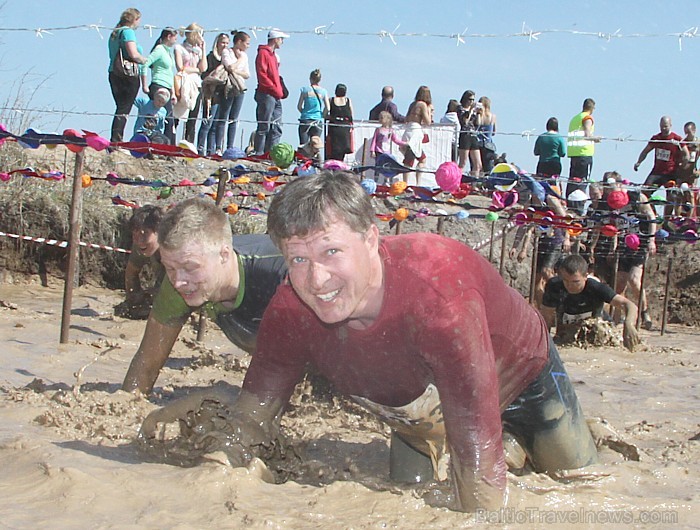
573, 283
337, 272
200, 272
146, 241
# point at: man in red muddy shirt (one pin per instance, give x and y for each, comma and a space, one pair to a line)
422, 331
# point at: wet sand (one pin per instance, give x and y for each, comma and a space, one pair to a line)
69, 458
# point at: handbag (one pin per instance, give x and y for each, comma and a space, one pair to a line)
123, 66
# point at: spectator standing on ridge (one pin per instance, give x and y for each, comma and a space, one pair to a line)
580, 147
419, 115
269, 94
486, 131
162, 65
340, 124
550, 147
386, 105
451, 117
212, 96
313, 105
468, 137
124, 88
190, 62
235, 61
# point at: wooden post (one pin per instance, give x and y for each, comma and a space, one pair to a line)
441, 225
493, 232
533, 274
641, 294
76, 221
616, 264
503, 248
398, 227
220, 192
666, 289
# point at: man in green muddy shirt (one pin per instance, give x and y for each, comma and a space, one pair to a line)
232, 278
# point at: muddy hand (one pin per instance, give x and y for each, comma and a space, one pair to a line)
630, 337
179, 409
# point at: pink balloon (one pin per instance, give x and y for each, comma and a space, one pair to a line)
632, 241
98, 143
448, 176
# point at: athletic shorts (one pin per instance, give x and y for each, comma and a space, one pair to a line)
468, 141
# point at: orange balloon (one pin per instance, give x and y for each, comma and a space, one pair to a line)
86, 181
232, 208
576, 229
261, 196
398, 187
242, 180
401, 214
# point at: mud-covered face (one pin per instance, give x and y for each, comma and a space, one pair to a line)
146, 241
573, 283
334, 271
196, 271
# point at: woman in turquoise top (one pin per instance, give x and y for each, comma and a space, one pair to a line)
124, 89
162, 64
550, 147
313, 105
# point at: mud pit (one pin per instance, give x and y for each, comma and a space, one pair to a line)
69, 450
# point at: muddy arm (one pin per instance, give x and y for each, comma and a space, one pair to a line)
155, 347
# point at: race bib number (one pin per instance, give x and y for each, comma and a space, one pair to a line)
570, 319
663, 154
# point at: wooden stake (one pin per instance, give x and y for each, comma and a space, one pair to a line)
641, 294
220, 192
533, 274
441, 225
666, 289
76, 221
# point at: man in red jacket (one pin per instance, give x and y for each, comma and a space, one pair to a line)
269, 94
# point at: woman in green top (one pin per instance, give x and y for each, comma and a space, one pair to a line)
124, 89
550, 147
162, 64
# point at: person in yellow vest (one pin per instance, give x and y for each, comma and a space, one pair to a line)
580, 147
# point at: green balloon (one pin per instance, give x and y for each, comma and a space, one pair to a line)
165, 193
492, 217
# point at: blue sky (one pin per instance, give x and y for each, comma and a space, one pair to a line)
634, 80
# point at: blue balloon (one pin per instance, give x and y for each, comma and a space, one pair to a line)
661, 233
369, 186
462, 215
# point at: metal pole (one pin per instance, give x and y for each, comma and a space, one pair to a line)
666, 289
533, 274
76, 220
493, 232
503, 248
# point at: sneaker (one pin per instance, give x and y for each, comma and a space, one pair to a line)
646, 321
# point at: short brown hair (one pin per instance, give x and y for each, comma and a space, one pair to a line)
195, 219
308, 204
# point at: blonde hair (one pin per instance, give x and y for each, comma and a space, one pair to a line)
386, 115
195, 219
126, 20
193, 33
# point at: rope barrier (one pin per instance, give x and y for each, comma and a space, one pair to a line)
63, 244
